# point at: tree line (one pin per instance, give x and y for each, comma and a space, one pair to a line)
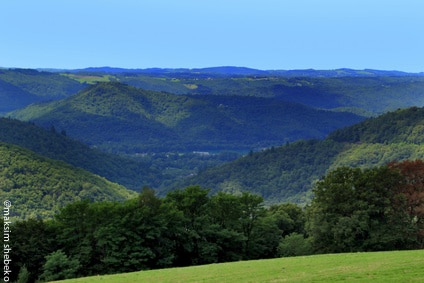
353, 209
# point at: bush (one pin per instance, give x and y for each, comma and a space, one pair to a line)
294, 245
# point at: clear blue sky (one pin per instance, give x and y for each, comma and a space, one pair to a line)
263, 34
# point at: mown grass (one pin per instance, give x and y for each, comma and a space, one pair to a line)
399, 266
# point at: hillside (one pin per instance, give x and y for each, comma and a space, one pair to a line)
356, 91
288, 173
372, 93
21, 87
357, 267
49, 143
39, 187
119, 118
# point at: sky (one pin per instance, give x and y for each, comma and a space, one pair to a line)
261, 34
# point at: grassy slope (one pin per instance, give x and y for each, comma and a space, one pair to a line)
398, 266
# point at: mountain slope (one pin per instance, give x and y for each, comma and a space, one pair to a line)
39, 187
21, 87
133, 175
288, 173
121, 118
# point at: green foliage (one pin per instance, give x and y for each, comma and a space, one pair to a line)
39, 187
357, 210
295, 245
278, 174
59, 266
187, 227
31, 241
21, 87
24, 275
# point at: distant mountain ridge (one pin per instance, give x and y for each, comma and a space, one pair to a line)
243, 71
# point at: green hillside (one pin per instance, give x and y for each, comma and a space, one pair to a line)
120, 118
398, 266
288, 173
49, 143
370, 94
20, 87
39, 187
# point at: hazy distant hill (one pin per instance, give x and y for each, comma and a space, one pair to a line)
367, 94
121, 118
229, 71
20, 87
287, 173
39, 187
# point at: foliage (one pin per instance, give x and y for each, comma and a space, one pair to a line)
295, 245
39, 187
21, 87
58, 267
187, 227
365, 210
24, 275
56, 145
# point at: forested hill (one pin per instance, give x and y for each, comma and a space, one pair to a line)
288, 173
20, 87
121, 118
55, 145
39, 187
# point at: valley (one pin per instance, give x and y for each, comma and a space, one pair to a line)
228, 129
124, 170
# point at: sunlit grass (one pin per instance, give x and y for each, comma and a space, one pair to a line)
90, 79
402, 266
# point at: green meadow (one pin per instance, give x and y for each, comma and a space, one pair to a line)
397, 266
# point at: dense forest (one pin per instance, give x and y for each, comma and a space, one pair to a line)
353, 210
122, 119
20, 87
288, 173
38, 186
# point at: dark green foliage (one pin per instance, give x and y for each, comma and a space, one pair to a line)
357, 210
278, 174
24, 275
295, 245
39, 187
187, 227
31, 241
59, 266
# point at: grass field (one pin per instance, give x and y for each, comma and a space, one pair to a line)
400, 266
